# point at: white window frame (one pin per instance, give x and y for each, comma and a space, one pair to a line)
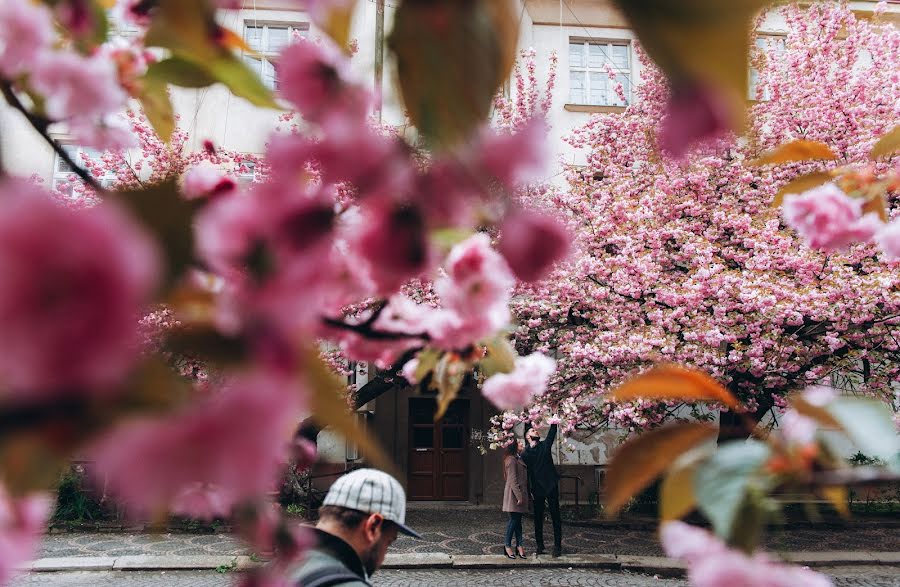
64, 176
587, 70
267, 57
763, 44
247, 172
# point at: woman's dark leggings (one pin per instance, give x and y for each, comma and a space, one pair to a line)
514, 526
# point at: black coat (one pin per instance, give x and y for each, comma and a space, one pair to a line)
542, 475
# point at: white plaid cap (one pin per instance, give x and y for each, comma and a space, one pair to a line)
373, 492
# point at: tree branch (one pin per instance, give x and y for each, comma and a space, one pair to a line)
40, 125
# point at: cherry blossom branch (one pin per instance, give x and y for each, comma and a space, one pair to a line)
40, 125
366, 330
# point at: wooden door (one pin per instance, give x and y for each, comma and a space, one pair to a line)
438, 451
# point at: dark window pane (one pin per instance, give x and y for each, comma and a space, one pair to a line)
423, 437
422, 412
453, 438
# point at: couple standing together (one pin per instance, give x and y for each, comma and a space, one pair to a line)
530, 473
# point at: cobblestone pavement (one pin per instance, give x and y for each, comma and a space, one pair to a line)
844, 577
472, 532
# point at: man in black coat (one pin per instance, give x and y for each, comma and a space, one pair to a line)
544, 482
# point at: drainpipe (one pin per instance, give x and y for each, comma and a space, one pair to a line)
379, 55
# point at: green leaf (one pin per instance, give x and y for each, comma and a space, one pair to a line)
500, 358
179, 72
169, 218
451, 58
157, 107
428, 359
241, 80
869, 424
723, 483
676, 493
188, 28
644, 458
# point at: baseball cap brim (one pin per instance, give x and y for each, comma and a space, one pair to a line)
408, 531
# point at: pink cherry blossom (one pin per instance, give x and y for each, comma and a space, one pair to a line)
514, 390
517, 157
219, 451
828, 219
71, 296
694, 113
206, 180
26, 30
314, 77
409, 371
393, 242
478, 278
888, 238
22, 522
531, 243
77, 87
712, 564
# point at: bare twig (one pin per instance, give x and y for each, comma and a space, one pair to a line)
40, 125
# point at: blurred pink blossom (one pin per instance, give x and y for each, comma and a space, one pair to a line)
695, 113
888, 238
26, 30
74, 285
394, 243
22, 522
712, 564
511, 391
205, 180
477, 278
219, 451
531, 243
74, 86
828, 219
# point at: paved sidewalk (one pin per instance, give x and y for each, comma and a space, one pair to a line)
471, 532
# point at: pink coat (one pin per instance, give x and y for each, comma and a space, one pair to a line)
516, 488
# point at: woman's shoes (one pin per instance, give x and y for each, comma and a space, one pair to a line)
521, 551
509, 552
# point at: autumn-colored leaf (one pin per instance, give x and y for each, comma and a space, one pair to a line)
178, 72
449, 374
641, 460
336, 22
676, 494
699, 41
799, 150
673, 382
231, 40
838, 496
154, 98
428, 359
814, 412
878, 205
887, 145
188, 28
330, 409
451, 58
800, 184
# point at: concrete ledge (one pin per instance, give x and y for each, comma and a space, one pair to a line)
436, 560
175, 563
71, 563
418, 560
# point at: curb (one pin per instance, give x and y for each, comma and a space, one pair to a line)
636, 564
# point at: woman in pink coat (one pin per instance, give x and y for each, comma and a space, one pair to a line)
515, 497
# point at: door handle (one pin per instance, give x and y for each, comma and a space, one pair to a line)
423, 449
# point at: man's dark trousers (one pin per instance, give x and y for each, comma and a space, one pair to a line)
552, 502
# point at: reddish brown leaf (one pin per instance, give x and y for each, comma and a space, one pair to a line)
673, 382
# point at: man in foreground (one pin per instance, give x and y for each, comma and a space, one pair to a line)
544, 482
358, 521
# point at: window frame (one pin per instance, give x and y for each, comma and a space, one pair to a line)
587, 70
265, 55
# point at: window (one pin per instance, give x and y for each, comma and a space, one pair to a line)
65, 179
268, 40
246, 172
766, 46
589, 79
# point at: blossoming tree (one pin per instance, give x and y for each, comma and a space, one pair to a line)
323, 247
689, 262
